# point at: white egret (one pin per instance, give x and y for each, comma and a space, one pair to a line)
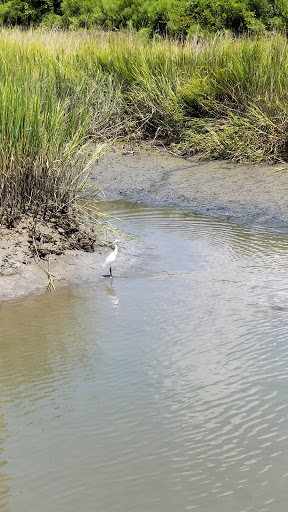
112, 257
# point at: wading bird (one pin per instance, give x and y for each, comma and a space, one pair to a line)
111, 258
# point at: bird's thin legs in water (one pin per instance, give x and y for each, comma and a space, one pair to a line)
111, 272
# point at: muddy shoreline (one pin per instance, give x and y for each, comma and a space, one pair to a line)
247, 194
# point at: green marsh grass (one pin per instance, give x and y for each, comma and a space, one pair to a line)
63, 92
223, 97
50, 111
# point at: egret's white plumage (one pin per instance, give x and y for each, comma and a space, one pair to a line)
111, 258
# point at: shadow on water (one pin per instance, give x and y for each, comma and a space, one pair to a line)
164, 388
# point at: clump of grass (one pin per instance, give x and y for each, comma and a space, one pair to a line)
236, 102
50, 111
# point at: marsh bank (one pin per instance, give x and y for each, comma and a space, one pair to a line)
245, 193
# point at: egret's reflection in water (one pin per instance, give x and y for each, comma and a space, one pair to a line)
111, 293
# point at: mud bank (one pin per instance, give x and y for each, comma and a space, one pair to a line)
71, 256
254, 194
72, 267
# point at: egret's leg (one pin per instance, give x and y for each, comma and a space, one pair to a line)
111, 272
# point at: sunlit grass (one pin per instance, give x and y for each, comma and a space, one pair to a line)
224, 97
49, 111
59, 91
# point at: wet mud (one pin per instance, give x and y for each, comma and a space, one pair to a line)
246, 193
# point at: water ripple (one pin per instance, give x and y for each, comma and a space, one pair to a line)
174, 400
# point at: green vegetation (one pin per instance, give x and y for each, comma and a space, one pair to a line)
49, 110
164, 17
223, 97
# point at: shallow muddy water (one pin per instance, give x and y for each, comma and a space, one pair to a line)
164, 389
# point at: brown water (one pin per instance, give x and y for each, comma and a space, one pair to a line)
162, 390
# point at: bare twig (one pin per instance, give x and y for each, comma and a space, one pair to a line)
50, 284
